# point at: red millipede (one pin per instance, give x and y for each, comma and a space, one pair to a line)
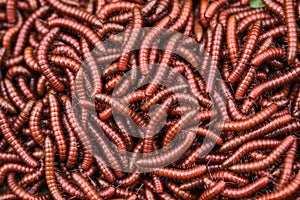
248, 50
285, 192
24, 88
193, 183
79, 132
43, 62
267, 54
246, 190
133, 37
23, 117
56, 125
33, 176
167, 156
157, 184
21, 192
173, 130
163, 65
182, 20
111, 133
76, 12
276, 32
162, 6
180, 174
202, 9
196, 154
275, 7
175, 10
207, 134
178, 192
146, 44
29, 59
10, 62
68, 186
13, 94
34, 122
156, 118
288, 163
11, 32
112, 7
93, 68
85, 186
198, 30
11, 7
13, 167
254, 120
67, 51
292, 32
249, 76
249, 146
7, 106
49, 169
231, 40
163, 195
125, 17
215, 57
111, 158
9, 157
275, 82
249, 19
121, 108
129, 180
86, 32
24, 32
234, 111
105, 170
213, 191
266, 128
110, 27
14, 142
63, 61
213, 7
73, 149
229, 176
224, 14
270, 159
149, 194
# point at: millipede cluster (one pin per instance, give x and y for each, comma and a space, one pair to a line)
149, 99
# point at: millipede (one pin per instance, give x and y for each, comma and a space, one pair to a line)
153, 99
248, 49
